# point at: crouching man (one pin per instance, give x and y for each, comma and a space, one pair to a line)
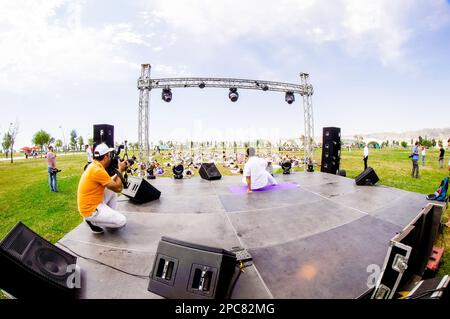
96, 196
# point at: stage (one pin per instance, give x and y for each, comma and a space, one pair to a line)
314, 240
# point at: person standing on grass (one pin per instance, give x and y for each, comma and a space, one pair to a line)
366, 155
51, 169
423, 155
96, 195
441, 156
88, 154
415, 159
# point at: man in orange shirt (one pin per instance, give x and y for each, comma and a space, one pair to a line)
96, 196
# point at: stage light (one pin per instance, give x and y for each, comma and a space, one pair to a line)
166, 95
286, 166
265, 87
289, 98
233, 95
178, 171
202, 85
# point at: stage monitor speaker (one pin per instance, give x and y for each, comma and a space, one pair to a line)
103, 133
342, 173
31, 267
191, 271
367, 177
140, 191
209, 171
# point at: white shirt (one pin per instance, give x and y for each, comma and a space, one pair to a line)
423, 152
256, 169
366, 151
89, 155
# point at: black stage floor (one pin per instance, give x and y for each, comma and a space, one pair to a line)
312, 241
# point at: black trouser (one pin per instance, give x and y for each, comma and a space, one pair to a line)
415, 168
365, 162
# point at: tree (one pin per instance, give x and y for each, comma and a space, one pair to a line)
58, 143
13, 130
404, 144
80, 142
73, 138
41, 138
6, 143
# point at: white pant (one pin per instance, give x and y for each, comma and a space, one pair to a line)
105, 215
270, 181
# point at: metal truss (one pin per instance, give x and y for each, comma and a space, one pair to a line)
145, 84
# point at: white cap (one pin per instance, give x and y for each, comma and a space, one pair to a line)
102, 149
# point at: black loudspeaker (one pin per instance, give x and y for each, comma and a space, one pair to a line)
368, 177
103, 133
191, 271
140, 191
331, 150
209, 171
31, 267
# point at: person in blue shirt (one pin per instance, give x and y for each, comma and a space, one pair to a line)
415, 160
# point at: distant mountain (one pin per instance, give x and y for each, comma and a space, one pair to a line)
429, 133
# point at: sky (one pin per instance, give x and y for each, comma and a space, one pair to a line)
376, 66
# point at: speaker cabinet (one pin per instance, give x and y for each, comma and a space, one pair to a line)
209, 171
191, 271
140, 191
368, 177
31, 267
103, 133
331, 150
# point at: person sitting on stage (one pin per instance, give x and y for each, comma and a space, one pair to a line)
255, 173
96, 195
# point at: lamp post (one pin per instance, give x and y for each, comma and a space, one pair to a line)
64, 139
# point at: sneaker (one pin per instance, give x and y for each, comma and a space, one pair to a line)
95, 229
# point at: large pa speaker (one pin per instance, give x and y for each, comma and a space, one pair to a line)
209, 171
103, 133
367, 177
331, 150
140, 191
31, 267
191, 271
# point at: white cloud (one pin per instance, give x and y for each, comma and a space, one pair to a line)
376, 29
44, 41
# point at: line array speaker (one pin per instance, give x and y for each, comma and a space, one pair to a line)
331, 150
103, 133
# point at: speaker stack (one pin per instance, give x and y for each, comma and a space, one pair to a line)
103, 133
331, 150
191, 271
31, 267
140, 191
209, 172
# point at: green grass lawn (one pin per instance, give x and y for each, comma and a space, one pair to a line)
25, 194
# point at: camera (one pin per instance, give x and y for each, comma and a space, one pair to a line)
115, 158
55, 170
